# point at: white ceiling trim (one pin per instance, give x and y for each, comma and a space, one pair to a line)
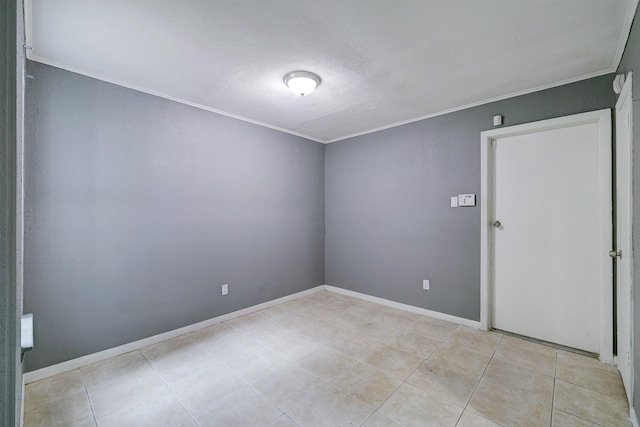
483, 102
622, 41
626, 31
36, 58
624, 37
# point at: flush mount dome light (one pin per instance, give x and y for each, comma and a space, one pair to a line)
302, 82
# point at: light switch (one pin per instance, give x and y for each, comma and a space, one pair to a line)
466, 200
454, 202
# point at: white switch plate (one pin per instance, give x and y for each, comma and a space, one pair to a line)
466, 200
225, 289
454, 202
425, 285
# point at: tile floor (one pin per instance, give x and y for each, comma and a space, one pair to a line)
332, 360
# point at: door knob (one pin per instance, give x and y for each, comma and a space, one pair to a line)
496, 224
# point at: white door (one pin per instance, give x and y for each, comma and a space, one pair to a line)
624, 209
548, 228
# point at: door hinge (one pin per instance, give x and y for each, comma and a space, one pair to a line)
615, 254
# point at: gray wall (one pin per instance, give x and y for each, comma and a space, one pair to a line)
10, 370
631, 62
388, 220
138, 209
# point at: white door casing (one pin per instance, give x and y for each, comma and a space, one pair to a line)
540, 212
624, 219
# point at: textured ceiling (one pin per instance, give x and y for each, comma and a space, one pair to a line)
382, 62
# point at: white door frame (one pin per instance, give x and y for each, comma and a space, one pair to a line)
624, 174
603, 119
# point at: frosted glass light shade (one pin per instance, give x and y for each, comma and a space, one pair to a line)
301, 82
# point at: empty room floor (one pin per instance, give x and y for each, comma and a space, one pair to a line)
332, 360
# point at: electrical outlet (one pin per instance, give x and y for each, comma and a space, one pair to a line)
425, 285
225, 289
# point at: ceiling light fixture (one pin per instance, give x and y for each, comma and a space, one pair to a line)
301, 82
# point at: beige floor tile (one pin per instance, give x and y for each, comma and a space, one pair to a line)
499, 403
377, 331
292, 346
534, 385
71, 410
395, 318
591, 405
451, 373
469, 419
367, 384
355, 345
269, 331
53, 388
329, 406
475, 339
224, 343
294, 321
346, 321
257, 364
367, 310
277, 312
196, 393
411, 406
246, 322
527, 354
394, 362
323, 333
430, 328
160, 410
178, 357
243, 407
238, 374
590, 373
189, 422
299, 304
323, 311
438, 321
562, 419
287, 388
342, 302
378, 420
321, 297
326, 363
116, 369
418, 345
284, 421
109, 396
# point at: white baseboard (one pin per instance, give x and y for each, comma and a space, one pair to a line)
406, 307
70, 365
80, 362
634, 417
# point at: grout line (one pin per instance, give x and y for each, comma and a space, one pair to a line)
484, 371
580, 418
167, 385
86, 390
553, 392
479, 380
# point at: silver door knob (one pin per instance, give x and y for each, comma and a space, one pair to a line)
496, 224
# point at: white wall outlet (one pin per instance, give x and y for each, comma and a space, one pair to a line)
454, 202
425, 285
225, 289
